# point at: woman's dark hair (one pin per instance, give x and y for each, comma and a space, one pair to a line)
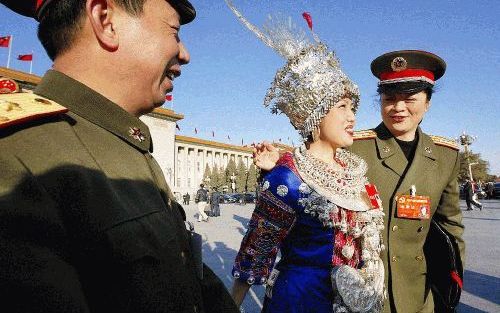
61, 22
407, 88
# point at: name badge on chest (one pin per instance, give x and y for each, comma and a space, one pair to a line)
413, 206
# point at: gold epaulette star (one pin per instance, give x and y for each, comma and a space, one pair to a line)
17, 108
443, 141
364, 134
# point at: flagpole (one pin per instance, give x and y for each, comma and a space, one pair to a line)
31, 62
10, 50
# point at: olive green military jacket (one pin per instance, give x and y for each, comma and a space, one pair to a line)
434, 172
87, 221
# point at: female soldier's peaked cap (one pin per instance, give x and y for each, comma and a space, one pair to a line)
408, 66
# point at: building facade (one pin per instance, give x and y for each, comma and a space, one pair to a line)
183, 159
192, 155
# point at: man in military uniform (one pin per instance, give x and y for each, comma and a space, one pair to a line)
416, 174
87, 221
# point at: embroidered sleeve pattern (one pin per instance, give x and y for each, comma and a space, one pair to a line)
269, 225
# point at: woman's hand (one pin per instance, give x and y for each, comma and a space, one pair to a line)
265, 156
239, 291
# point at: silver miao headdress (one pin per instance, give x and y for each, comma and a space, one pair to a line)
310, 82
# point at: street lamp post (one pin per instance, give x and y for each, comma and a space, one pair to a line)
466, 140
470, 170
246, 180
233, 182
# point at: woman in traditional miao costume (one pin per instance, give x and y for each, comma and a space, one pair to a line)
316, 206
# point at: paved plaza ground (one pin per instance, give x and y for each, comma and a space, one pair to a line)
222, 237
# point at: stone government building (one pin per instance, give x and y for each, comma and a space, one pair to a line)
183, 159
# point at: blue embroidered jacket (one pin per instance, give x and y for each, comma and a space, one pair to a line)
279, 223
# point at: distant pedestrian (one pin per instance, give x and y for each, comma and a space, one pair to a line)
490, 190
214, 202
469, 190
187, 198
201, 199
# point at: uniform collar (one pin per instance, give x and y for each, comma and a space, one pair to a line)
386, 144
94, 107
392, 155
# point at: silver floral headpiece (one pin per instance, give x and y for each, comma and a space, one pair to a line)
311, 81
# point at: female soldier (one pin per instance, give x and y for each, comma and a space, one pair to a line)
416, 174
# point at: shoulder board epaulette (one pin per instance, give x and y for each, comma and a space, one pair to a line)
443, 141
18, 108
364, 134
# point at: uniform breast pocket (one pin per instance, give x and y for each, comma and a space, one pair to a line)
151, 236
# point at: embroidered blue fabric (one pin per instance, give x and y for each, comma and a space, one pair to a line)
306, 246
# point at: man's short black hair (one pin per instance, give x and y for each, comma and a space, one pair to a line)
61, 22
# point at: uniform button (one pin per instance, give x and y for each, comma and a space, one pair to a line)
420, 229
394, 258
183, 256
395, 227
419, 258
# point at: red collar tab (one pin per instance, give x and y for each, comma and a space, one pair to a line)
407, 74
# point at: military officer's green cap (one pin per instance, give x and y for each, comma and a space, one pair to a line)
36, 8
408, 66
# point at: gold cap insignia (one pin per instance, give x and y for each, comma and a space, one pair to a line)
399, 64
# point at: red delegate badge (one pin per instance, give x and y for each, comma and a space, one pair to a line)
416, 207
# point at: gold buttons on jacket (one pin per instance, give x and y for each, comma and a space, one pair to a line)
183, 256
419, 258
395, 227
386, 149
420, 229
394, 258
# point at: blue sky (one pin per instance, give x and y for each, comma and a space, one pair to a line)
222, 89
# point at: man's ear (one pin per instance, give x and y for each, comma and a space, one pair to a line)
428, 105
102, 18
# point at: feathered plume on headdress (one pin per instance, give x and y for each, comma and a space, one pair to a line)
311, 81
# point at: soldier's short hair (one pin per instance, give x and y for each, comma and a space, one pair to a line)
61, 22
407, 88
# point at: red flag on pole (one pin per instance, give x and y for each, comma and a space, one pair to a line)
177, 126
169, 97
5, 41
308, 18
25, 57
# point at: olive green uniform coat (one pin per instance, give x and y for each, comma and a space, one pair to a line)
87, 221
433, 171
